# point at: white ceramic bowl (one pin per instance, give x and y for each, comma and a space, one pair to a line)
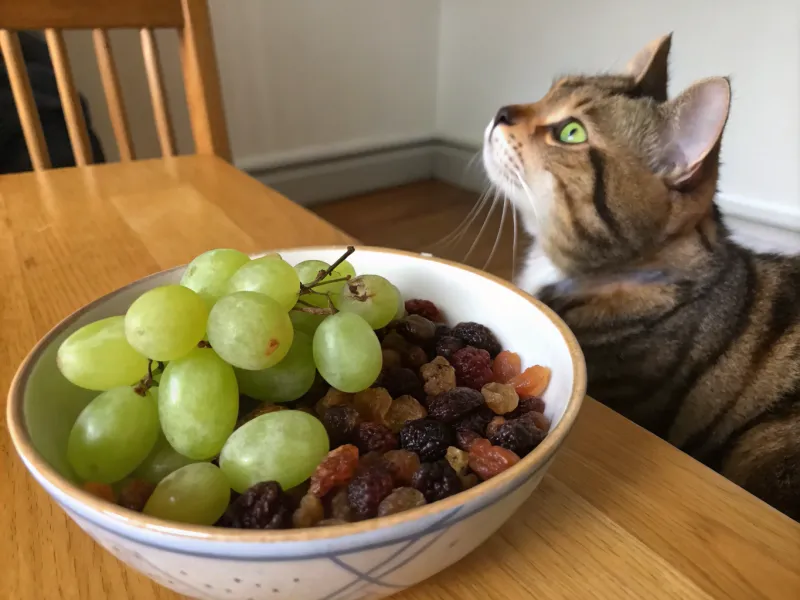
370, 559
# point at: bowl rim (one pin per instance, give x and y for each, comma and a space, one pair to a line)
538, 457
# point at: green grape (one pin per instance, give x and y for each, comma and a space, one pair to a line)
162, 460
198, 403
305, 322
196, 494
401, 306
284, 446
269, 275
308, 271
166, 322
344, 268
286, 381
371, 297
113, 435
99, 357
347, 352
208, 274
250, 330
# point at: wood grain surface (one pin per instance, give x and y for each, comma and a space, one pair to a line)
620, 515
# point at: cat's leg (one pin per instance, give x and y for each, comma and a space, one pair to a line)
766, 462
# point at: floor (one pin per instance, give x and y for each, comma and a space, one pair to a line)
429, 216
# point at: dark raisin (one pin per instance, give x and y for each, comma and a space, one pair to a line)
518, 436
526, 405
341, 423
399, 381
448, 345
391, 358
414, 357
262, 506
429, 438
394, 341
366, 491
465, 438
374, 437
424, 308
441, 331
455, 404
478, 336
436, 480
416, 329
476, 421
473, 367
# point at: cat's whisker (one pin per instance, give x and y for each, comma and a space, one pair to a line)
483, 227
529, 194
466, 222
499, 233
514, 244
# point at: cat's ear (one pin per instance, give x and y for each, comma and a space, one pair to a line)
649, 68
692, 127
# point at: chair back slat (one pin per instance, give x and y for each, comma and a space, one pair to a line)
113, 93
155, 80
23, 97
70, 102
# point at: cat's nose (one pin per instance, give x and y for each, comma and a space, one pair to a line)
504, 116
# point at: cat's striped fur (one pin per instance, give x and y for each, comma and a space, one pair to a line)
684, 332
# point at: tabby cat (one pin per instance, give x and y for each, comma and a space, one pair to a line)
684, 331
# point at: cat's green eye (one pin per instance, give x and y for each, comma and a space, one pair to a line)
572, 132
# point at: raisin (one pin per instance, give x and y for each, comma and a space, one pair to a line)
486, 460
375, 437
373, 404
455, 404
424, 308
309, 513
394, 341
401, 499
448, 345
428, 438
402, 464
135, 494
476, 421
538, 420
264, 409
367, 490
336, 469
465, 438
518, 436
414, 357
436, 480
340, 507
458, 459
341, 423
500, 397
100, 490
470, 480
439, 376
477, 336
333, 397
532, 381
391, 358
526, 405
372, 459
403, 410
506, 366
263, 506
297, 492
331, 522
494, 425
416, 329
402, 382
473, 367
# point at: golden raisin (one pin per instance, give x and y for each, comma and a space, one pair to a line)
532, 381
439, 376
333, 397
458, 459
309, 513
340, 507
506, 366
401, 499
502, 398
402, 410
402, 465
373, 404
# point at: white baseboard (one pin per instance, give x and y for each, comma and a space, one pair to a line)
315, 175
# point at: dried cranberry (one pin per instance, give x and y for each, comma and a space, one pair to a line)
488, 461
424, 308
335, 470
473, 367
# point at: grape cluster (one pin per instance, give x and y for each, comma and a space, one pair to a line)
257, 394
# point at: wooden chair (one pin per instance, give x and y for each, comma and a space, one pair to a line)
200, 75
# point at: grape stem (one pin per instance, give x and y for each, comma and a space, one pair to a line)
147, 381
323, 274
203, 344
314, 310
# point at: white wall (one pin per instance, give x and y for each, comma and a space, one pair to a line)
506, 51
300, 78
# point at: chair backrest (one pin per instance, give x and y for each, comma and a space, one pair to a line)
200, 75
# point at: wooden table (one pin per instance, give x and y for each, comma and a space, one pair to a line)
621, 514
